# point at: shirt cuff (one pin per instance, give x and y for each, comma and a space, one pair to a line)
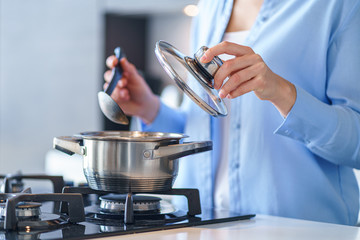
310, 120
167, 120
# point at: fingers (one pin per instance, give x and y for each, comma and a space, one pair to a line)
225, 47
233, 65
108, 75
111, 61
237, 79
121, 83
128, 68
119, 94
243, 88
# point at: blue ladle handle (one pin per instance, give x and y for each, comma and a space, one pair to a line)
116, 72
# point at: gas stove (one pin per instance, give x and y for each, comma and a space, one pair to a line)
81, 212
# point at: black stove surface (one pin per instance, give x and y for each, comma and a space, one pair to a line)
84, 213
94, 228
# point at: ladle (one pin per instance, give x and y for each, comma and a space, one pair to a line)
108, 106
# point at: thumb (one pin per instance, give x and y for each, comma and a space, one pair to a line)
127, 66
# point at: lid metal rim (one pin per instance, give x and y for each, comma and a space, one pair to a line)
153, 138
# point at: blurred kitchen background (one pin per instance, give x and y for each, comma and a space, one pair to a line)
52, 60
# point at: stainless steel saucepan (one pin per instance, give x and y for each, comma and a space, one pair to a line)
130, 161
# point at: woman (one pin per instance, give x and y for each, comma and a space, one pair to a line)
292, 139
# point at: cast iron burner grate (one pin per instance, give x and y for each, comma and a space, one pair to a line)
16, 204
130, 216
13, 183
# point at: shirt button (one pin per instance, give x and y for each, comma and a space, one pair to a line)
238, 126
237, 165
264, 18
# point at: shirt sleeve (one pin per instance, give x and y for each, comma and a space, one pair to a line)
167, 120
332, 131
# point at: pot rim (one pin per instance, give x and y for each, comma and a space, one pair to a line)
133, 136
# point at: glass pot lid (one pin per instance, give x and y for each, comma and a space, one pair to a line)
194, 78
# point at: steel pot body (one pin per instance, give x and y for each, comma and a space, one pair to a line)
130, 161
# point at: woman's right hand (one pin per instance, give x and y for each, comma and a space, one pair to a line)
132, 93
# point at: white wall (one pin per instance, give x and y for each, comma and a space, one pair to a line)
51, 63
50, 73
172, 28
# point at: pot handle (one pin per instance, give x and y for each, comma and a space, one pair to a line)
69, 145
171, 152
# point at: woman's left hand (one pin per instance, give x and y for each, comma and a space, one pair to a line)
248, 72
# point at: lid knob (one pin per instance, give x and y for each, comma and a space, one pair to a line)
209, 69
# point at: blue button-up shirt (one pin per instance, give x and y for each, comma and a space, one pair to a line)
300, 166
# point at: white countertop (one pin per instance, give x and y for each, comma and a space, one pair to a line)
260, 227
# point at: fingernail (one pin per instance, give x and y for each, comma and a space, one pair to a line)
203, 58
108, 62
221, 94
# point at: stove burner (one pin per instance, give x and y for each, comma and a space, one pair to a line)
192, 195
115, 203
23, 210
13, 183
